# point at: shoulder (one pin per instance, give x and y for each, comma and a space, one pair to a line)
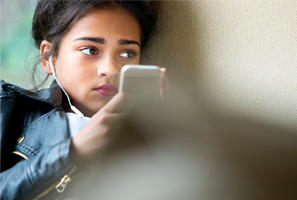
5, 90
50, 96
8, 90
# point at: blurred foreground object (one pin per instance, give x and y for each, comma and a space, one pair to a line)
171, 152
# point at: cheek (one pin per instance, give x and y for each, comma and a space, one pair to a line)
81, 69
81, 77
73, 75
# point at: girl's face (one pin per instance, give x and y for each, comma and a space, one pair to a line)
92, 54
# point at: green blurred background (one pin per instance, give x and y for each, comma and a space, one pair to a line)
17, 52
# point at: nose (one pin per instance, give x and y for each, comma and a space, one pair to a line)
109, 68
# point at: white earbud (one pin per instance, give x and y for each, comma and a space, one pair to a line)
74, 109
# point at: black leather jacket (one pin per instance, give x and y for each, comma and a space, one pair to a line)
35, 142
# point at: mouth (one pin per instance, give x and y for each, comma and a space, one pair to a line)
107, 90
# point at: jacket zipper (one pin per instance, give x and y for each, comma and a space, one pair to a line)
61, 186
64, 181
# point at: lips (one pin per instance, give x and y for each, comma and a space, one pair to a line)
107, 90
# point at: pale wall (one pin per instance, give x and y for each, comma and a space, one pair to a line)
238, 58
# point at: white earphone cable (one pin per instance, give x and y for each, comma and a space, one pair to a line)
74, 109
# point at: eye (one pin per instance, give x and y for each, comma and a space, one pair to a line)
128, 54
89, 51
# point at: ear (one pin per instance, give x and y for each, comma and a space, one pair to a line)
45, 47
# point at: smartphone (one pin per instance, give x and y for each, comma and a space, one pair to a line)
142, 81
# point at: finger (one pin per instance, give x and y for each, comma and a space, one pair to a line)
112, 118
164, 90
119, 103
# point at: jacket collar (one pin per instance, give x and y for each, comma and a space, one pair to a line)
52, 95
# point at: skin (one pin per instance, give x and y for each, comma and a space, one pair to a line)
91, 54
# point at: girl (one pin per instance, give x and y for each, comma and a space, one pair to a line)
48, 135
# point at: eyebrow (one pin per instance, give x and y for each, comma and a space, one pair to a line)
126, 42
93, 39
101, 40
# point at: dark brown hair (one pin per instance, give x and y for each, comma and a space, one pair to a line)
53, 18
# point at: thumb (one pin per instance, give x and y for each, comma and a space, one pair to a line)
119, 103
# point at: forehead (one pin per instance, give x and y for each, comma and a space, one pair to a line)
112, 22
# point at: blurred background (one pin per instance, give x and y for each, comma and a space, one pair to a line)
17, 46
